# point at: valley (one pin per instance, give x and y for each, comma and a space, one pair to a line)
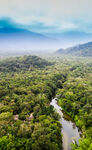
27, 86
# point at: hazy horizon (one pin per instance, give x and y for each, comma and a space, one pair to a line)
32, 25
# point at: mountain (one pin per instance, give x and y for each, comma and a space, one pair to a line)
17, 38
70, 38
22, 63
82, 50
10, 29
20, 33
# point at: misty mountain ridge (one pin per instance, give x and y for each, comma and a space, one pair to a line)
14, 36
82, 50
4, 32
17, 38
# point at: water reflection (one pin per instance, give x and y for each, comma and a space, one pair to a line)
69, 129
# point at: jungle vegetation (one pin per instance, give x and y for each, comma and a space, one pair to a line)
27, 85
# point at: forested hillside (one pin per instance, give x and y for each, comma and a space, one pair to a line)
79, 50
22, 63
75, 98
27, 121
27, 85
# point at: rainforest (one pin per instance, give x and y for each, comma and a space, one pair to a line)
27, 86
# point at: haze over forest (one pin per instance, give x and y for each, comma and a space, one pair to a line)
46, 75
38, 25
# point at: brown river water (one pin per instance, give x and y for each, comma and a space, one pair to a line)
69, 129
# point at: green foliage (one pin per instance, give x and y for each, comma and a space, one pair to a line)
76, 100
27, 85
27, 121
25, 63
5, 115
85, 144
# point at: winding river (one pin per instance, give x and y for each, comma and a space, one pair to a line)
69, 129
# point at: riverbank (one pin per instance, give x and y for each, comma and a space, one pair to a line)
69, 129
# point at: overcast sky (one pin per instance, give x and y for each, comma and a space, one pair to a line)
49, 15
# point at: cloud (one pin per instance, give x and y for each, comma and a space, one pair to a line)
56, 15
6, 22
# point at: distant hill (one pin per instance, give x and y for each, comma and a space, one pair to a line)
18, 39
19, 33
14, 36
23, 63
82, 50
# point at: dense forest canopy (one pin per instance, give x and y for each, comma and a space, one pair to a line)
27, 85
22, 63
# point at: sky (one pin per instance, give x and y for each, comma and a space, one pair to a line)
48, 16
